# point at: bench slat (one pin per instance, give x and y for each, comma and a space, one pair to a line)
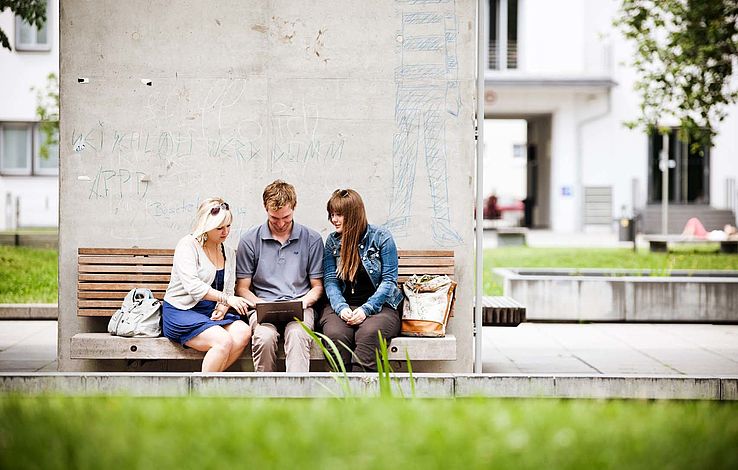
111, 260
425, 253
105, 346
114, 295
97, 312
123, 277
102, 268
426, 270
425, 261
122, 287
126, 251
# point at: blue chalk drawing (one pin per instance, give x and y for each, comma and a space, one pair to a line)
427, 94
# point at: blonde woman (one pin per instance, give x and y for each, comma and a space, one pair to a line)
200, 294
360, 278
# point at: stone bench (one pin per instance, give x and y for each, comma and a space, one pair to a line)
105, 275
512, 236
661, 243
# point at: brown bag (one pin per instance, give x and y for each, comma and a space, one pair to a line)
428, 303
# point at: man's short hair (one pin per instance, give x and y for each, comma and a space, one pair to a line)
279, 194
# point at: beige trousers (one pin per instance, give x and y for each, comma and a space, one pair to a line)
296, 344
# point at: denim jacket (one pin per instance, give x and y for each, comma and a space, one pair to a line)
379, 256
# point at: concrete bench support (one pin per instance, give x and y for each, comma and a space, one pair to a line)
105, 346
512, 236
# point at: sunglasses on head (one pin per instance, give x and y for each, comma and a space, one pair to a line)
341, 192
215, 210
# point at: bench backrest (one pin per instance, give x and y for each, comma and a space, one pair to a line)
107, 274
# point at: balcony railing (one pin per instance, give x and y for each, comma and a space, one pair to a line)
493, 51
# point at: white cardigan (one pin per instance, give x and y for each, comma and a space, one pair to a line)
193, 273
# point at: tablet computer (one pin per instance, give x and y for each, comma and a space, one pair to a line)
279, 311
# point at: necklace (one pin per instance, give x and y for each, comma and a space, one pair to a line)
212, 255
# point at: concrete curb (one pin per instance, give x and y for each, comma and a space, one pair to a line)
29, 312
249, 384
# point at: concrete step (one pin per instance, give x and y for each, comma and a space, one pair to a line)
246, 384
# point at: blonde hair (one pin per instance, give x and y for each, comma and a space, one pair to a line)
205, 221
348, 203
279, 194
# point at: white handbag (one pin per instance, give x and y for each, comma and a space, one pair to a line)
428, 305
139, 316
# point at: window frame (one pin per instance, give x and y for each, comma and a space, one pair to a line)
37, 169
33, 158
501, 43
28, 169
34, 46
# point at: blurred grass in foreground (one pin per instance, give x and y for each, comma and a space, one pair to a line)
28, 275
619, 258
162, 433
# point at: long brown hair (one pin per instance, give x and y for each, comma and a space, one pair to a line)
348, 203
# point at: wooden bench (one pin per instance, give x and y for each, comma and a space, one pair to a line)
660, 243
502, 311
107, 274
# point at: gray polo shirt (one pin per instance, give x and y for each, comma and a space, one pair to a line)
280, 272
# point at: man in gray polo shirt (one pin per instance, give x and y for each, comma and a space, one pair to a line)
280, 260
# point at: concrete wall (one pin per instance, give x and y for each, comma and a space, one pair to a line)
19, 72
597, 295
164, 104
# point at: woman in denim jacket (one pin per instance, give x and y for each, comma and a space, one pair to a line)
360, 279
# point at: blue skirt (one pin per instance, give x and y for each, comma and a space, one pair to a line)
182, 325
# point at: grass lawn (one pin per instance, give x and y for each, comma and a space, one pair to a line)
28, 275
621, 258
163, 433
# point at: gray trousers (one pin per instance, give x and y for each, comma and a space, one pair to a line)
296, 344
361, 339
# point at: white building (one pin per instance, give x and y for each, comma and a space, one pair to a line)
26, 179
563, 69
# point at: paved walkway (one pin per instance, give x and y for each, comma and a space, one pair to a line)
612, 349
531, 348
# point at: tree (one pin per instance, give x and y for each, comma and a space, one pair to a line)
684, 59
47, 110
32, 11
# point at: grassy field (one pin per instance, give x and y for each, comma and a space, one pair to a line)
158, 433
621, 258
28, 275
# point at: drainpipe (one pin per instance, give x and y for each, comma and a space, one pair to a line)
479, 232
580, 156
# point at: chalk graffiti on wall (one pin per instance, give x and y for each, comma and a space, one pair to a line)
119, 182
427, 95
296, 136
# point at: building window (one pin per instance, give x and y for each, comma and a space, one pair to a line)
20, 145
29, 37
50, 164
689, 181
503, 34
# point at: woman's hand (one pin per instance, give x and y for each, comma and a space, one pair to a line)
346, 314
357, 317
219, 312
240, 304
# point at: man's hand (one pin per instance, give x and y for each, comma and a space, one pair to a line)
240, 304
